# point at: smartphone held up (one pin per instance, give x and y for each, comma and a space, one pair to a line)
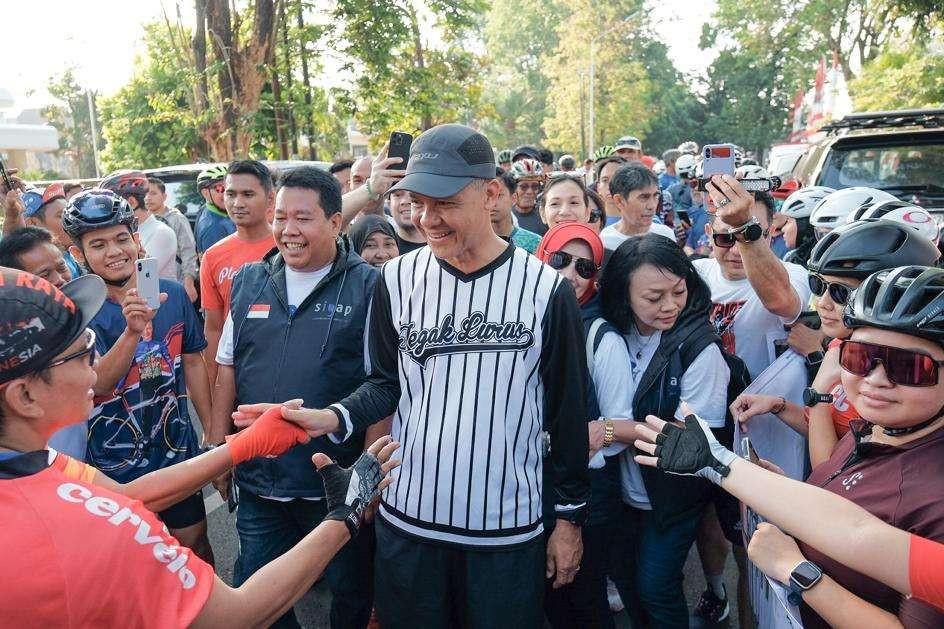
721, 159
399, 146
148, 282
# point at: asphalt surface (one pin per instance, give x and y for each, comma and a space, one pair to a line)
312, 609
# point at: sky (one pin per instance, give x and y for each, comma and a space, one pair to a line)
101, 39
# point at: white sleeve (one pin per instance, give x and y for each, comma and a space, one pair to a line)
613, 381
801, 286
163, 246
224, 351
705, 386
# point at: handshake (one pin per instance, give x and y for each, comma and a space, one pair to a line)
348, 491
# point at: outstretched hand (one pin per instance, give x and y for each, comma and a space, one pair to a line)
349, 491
690, 451
270, 435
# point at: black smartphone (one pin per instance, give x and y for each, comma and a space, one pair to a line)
399, 146
683, 216
5, 176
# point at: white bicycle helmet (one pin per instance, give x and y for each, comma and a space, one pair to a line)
751, 171
832, 211
685, 166
907, 214
659, 167
800, 203
688, 148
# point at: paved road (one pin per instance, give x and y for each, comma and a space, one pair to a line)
312, 610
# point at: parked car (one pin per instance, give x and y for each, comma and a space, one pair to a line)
901, 152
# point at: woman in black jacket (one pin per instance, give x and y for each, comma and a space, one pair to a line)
653, 295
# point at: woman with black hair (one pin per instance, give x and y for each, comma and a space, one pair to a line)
653, 295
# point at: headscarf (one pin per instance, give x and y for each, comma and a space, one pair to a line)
558, 236
364, 227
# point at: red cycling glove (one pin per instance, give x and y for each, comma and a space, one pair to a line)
270, 436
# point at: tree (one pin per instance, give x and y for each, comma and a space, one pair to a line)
70, 116
908, 75
148, 123
520, 38
403, 82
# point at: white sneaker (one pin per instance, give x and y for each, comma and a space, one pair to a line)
613, 597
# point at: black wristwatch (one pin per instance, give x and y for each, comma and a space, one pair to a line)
753, 231
815, 358
812, 397
804, 576
577, 517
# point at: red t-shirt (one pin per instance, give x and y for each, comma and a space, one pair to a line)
221, 262
926, 570
900, 485
79, 555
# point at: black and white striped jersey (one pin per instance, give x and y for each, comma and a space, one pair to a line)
475, 369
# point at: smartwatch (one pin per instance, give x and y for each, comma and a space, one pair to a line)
815, 358
812, 397
752, 231
804, 576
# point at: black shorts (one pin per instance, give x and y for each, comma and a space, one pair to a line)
187, 512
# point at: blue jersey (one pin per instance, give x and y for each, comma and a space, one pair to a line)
144, 425
666, 180
213, 225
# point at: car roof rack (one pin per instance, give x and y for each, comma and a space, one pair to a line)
928, 118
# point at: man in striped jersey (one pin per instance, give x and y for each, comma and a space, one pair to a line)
470, 341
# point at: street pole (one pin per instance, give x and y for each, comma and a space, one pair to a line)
91, 108
593, 93
593, 99
583, 124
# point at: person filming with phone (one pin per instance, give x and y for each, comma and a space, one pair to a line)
150, 360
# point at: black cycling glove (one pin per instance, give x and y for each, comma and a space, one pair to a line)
349, 490
693, 451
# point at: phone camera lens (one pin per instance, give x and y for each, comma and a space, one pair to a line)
147, 275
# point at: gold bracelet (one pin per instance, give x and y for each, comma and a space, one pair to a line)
608, 432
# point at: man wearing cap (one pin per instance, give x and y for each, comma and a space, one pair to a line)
476, 349
629, 147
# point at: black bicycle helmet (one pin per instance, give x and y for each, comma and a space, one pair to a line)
94, 209
859, 249
907, 299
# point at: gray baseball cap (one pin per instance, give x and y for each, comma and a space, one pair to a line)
446, 159
629, 142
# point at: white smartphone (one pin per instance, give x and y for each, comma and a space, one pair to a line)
148, 282
719, 159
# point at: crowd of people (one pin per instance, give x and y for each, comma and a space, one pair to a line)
519, 381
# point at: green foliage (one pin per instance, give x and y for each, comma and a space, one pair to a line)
404, 83
909, 76
70, 116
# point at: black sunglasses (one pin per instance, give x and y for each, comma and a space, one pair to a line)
839, 293
88, 349
587, 269
726, 241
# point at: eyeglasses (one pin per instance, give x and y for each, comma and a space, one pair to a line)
726, 241
904, 367
530, 186
88, 349
839, 293
559, 260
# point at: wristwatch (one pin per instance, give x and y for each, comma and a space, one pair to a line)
804, 576
608, 432
814, 358
749, 231
577, 517
812, 397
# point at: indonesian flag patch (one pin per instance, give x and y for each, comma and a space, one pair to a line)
258, 311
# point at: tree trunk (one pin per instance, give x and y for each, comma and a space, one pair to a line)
199, 55
292, 125
420, 61
277, 110
223, 133
306, 82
